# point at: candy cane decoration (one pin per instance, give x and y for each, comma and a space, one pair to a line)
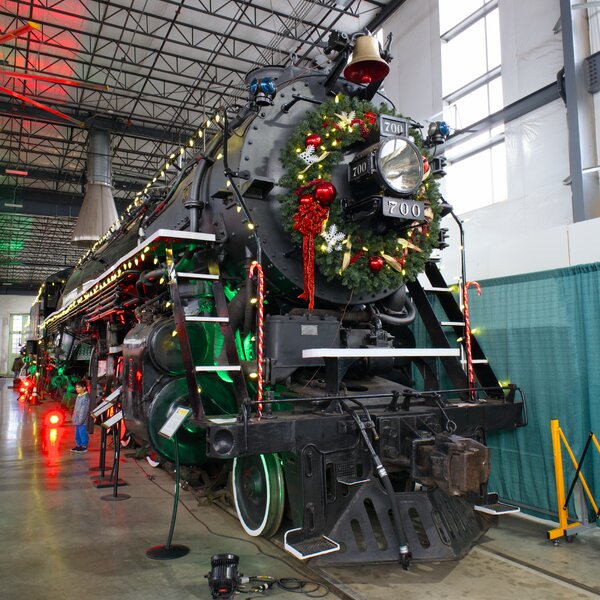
468, 335
255, 266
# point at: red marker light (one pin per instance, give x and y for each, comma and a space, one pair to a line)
54, 418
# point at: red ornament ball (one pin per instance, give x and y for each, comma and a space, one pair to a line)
425, 165
313, 140
376, 263
370, 117
306, 199
325, 193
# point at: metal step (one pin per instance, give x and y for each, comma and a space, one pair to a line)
215, 368
499, 508
348, 480
310, 547
378, 352
452, 323
208, 319
428, 288
198, 276
174, 235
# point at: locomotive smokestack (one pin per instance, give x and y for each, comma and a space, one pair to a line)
98, 210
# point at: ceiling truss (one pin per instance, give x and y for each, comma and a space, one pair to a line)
159, 68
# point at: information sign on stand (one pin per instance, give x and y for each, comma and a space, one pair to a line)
108, 402
169, 430
114, 423
116, 418
101, 409
174, 422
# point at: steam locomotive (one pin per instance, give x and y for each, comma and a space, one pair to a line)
304, 379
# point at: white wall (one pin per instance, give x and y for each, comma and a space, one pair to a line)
533, 229
415, 80
10, 304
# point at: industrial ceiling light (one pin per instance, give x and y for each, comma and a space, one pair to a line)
366, 65
98, 211
16, 172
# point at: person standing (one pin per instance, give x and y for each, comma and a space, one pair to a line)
80, 417
17, 366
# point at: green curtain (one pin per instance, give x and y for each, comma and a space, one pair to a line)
541, 331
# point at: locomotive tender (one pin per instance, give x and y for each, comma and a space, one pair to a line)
314, 407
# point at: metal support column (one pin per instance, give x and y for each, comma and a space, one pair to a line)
580, 113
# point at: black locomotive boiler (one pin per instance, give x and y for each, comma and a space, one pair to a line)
307, 384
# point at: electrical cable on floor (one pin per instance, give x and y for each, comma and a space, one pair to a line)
263, 584
230, 537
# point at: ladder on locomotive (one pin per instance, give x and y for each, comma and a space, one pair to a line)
233, 367
438, 331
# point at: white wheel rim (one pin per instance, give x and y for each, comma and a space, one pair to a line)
258, 531
153, 463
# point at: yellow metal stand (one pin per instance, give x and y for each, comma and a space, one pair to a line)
566, 529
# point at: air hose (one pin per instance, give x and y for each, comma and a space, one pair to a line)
387, 484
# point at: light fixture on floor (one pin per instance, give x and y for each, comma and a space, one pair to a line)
223, 579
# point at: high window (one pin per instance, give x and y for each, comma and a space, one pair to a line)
472, 90
16, 336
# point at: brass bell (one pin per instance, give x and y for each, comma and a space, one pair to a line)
366, 65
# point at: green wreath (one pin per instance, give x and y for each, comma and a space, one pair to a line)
343, 250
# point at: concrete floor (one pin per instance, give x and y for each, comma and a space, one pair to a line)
59, 540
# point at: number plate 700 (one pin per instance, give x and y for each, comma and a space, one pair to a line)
412, 210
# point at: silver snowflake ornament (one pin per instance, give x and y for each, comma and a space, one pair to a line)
334, 238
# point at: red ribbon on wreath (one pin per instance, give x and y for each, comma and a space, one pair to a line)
309, 222
364, 129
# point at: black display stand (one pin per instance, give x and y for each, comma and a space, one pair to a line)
115, 496
170, 551
102, 462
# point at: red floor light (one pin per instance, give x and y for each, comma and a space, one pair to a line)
54, 418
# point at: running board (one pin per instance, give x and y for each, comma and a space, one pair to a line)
310, 547
499, 508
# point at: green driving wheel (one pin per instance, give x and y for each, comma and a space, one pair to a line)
258, 493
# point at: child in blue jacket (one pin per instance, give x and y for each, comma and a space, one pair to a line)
80, 417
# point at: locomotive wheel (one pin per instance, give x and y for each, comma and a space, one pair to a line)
258, 493
152, 459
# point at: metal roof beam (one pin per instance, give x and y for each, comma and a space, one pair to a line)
46, 203
146, 48
137, 69
9, 109
68, 176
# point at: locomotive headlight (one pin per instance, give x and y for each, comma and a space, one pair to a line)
400, 165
